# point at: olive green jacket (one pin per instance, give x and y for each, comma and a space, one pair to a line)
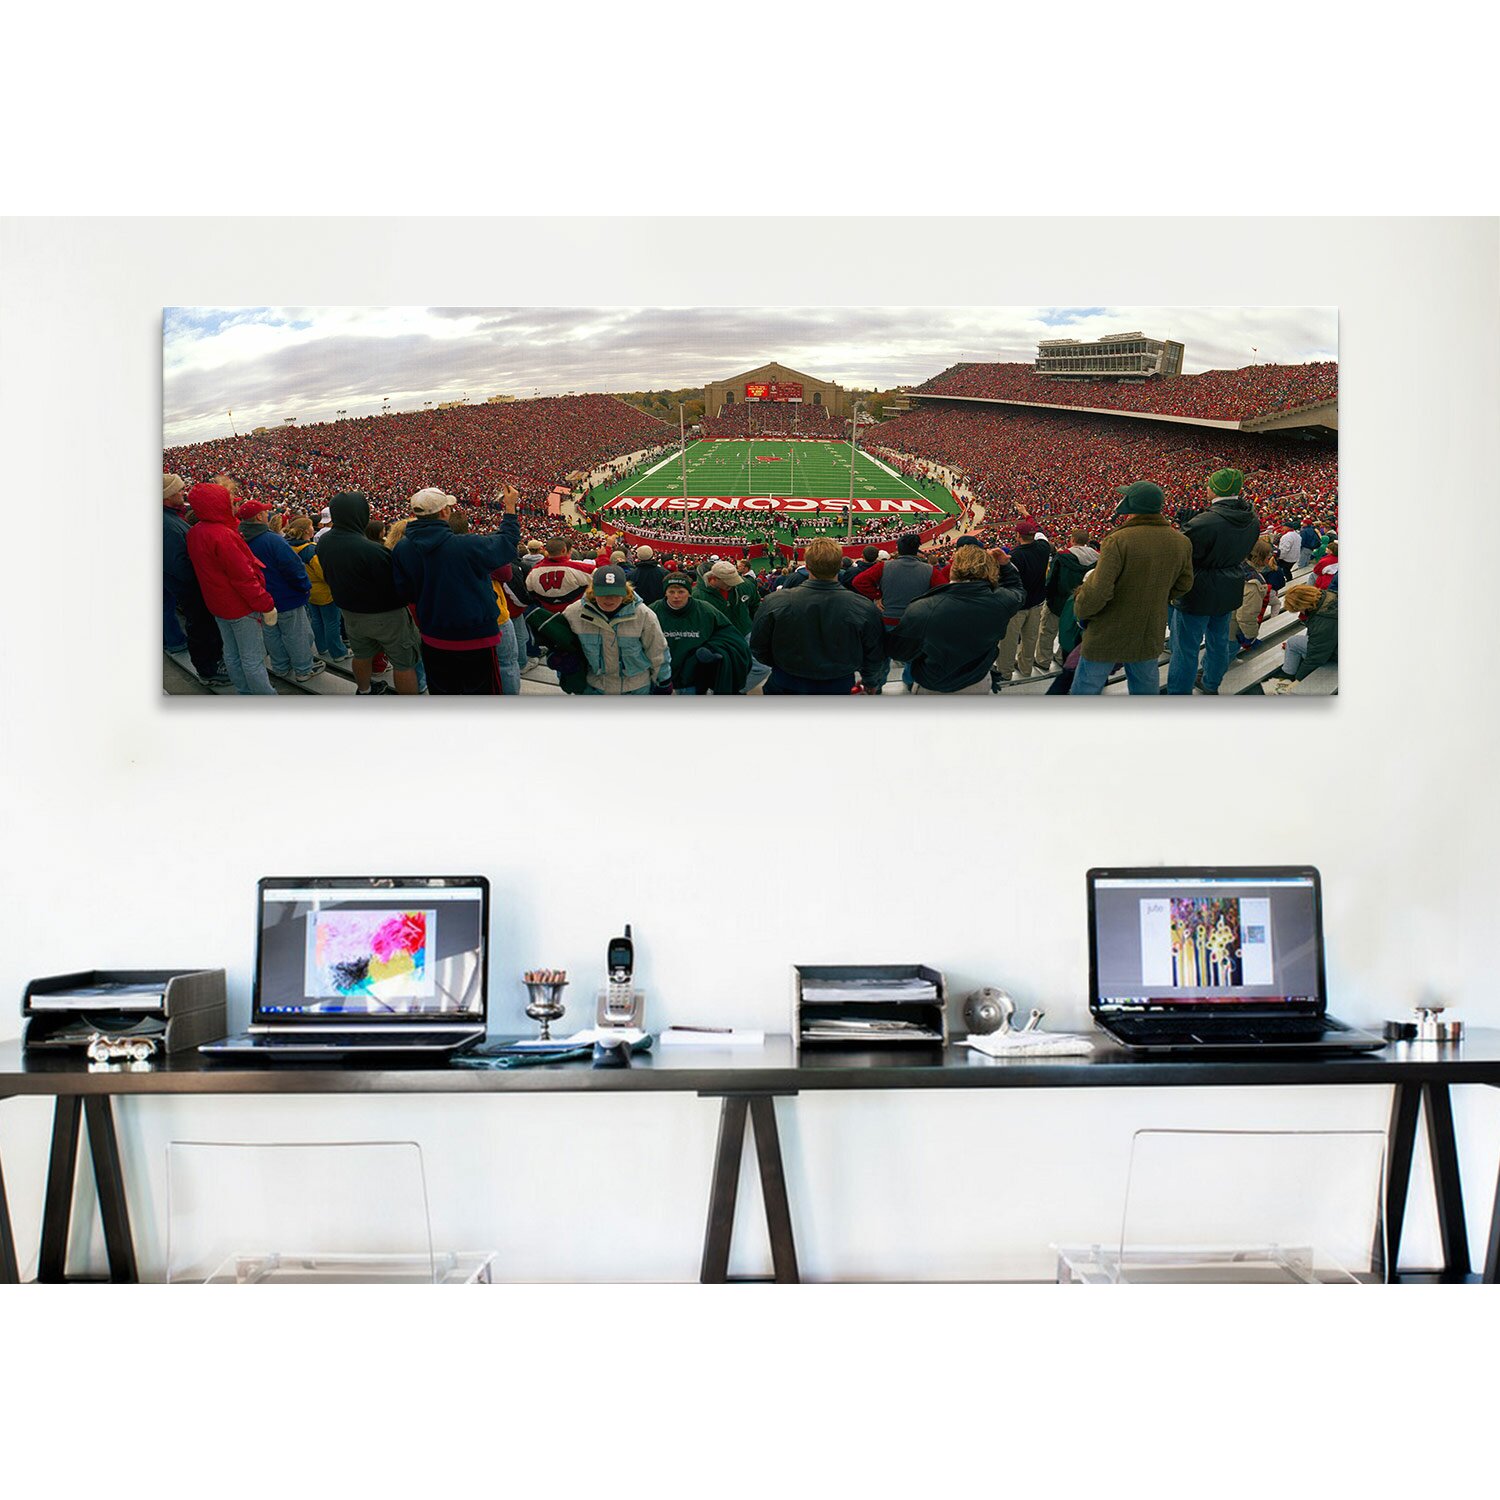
1122, 604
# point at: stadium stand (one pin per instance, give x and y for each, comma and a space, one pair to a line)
468, 451
1256, 391
774, 419
1065, 467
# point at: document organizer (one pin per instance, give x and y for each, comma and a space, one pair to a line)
926, 1020
191, 1009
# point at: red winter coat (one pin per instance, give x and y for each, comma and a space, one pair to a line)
231, 576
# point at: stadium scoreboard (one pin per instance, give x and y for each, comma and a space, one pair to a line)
773, 390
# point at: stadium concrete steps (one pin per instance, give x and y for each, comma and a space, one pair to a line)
179, 679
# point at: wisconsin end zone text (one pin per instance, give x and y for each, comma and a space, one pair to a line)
798, 505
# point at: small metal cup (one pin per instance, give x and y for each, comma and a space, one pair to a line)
545, 1005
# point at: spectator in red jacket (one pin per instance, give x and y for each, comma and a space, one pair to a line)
1326, 569
557, 581
233, 583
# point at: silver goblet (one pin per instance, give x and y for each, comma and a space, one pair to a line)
545, 1005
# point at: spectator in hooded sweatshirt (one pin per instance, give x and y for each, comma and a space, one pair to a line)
648, 580
204, 645
361, 577
447, 576
1018, 651
1222, 538
289, 642
949, 637
1065, 572
233, 584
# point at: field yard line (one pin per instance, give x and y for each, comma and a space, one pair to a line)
670, 458
894, 475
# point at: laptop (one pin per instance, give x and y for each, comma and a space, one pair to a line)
1225, 959
361, 966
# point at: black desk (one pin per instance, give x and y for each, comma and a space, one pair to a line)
748, 1081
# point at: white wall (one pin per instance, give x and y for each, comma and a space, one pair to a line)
135, 826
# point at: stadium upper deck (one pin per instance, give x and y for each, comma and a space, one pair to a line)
1253, 398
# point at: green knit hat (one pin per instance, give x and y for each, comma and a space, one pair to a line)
1141, 499
1225, 482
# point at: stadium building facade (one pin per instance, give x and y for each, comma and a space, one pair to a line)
775, 383
1125, 355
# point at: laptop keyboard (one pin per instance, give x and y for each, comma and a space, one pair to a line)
351, 1039
1272, 1028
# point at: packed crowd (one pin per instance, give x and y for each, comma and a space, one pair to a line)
332, 543
470, 451
747, 419
453, 611
1064, 469
1222, 395
756, 529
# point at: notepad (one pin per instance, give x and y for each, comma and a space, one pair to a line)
688, 1036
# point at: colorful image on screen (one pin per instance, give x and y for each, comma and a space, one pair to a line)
375, 955
1206, 942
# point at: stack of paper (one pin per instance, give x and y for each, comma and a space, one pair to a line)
853, 1029
1030, 1044
818, 991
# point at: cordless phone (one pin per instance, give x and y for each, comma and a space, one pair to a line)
620, 1003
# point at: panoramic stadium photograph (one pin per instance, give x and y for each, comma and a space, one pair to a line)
1002, 502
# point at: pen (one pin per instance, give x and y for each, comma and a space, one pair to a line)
717, 1030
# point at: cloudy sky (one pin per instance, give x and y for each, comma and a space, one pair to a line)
268, 363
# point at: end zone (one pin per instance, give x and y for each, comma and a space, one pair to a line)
905, 505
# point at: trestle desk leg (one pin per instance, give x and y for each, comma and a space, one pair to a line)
109, 1181
773, 1187
1450, 1199
725, 1189
1401, 1141
57, 1206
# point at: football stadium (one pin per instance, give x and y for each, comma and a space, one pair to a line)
783, 484
786, 479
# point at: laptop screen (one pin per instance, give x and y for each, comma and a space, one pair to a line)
395, 949
1163, 939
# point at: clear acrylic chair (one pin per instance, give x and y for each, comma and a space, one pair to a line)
304, 1212
1273, 1206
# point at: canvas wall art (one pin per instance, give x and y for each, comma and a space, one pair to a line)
1007, 503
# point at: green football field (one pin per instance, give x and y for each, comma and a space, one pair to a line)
751, 477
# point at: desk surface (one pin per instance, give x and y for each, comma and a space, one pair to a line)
774, 1068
